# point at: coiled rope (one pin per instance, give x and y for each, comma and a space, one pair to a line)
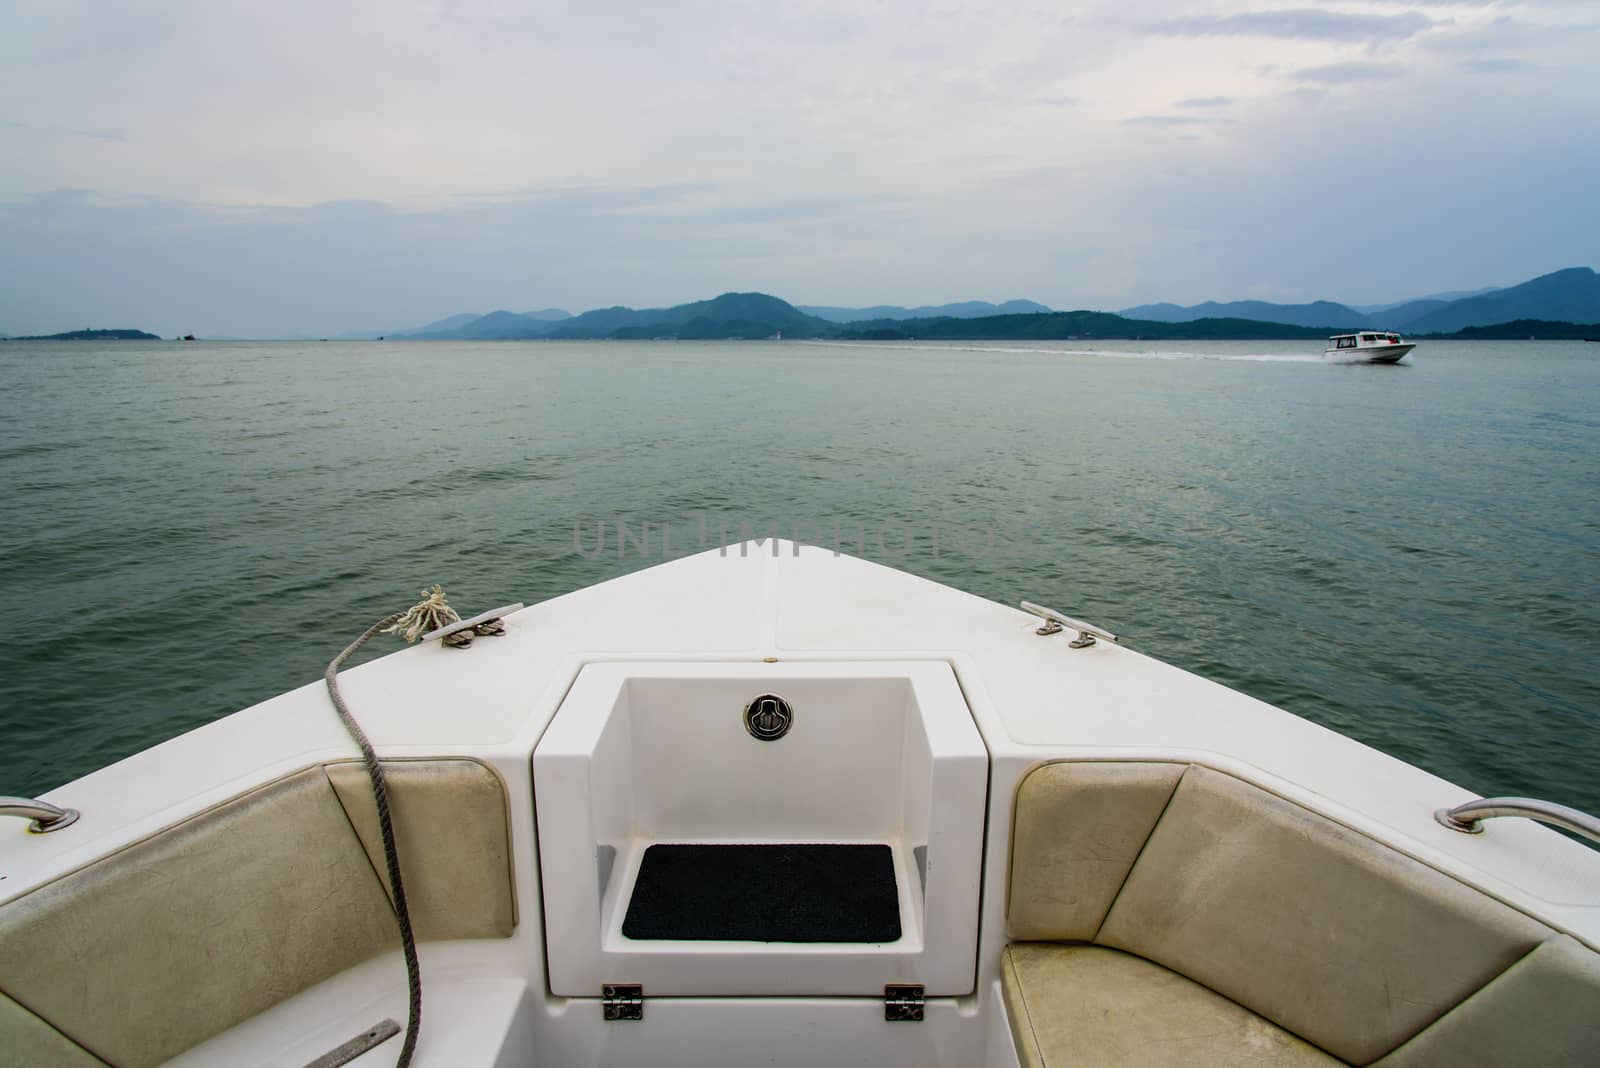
430, 614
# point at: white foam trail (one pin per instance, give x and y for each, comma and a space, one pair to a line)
1114, 354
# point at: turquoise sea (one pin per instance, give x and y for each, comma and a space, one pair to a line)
1410, 555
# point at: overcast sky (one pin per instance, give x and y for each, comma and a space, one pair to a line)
282, 167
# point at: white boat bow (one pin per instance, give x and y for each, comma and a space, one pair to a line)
1044, 855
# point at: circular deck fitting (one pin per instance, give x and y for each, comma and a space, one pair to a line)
768, 717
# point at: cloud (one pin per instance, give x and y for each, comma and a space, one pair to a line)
181, 266
1307, 24
1497, 64
1344, 73
501, 153
93, 135
792, 209
1170, 121
1506, 33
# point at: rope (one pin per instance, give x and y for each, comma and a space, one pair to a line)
429, 614
380, 794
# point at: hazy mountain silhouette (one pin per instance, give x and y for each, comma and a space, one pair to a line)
93, 335
1076, 326
730, 315
967, 309
1319, 313
1571, 296
1435, 298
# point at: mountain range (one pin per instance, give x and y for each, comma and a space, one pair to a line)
1555, 304
967, 309
453, 322
728, 316
1571, 295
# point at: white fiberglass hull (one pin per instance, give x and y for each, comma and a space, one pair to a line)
1369, 353
1077, 847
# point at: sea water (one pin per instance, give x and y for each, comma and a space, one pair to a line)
1409, 555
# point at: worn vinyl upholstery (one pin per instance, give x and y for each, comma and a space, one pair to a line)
1080, 826
27, 1040
1543, 1012
450, 828
179, 937
1097, 1007
1322, 932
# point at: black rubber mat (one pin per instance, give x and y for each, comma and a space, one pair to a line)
765, 893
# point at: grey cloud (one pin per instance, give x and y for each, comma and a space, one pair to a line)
1204, 102
1506, 33
1497, 64
61, 131
167, 264
1058, 101
595, 197
1344, 73
1169, 121
1302, 23
795, 208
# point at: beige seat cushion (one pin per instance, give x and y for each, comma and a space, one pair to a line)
1323, 931
1079, 827
174, 939
145, 953
450, 830
1543, 1012
27, 1040
1088, 1007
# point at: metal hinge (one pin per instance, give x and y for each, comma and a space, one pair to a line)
902, 1002
622, 1001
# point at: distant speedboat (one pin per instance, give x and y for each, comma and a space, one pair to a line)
1367, 347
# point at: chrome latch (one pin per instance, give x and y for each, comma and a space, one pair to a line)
768, 717
622, 1001
903, 1002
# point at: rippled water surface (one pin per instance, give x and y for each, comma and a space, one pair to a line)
1410, 555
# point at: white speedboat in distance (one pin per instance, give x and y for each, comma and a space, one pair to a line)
773, 805
1367, 346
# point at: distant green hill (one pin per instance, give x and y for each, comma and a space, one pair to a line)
1078, 325
1317, 314
1520, 329
94, 335
759, 315
730, 315
1570, 296
966, 309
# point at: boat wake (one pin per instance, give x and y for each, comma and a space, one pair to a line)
1114, 354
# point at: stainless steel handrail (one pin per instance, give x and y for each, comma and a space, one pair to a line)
45, 816
1468, 818
1054, 621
